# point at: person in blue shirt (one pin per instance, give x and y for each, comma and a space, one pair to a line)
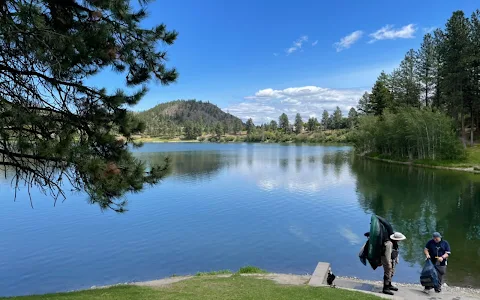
438, 251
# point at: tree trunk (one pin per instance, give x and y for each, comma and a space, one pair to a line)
471, 124
464, 138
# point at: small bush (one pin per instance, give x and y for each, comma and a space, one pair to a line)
301, 138
251, 270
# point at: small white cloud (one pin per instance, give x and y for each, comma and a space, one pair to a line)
297, 44
388, 32
429, 29
275, 54
347, 41
315, 43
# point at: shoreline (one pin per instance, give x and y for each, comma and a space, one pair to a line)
296, 280
409, 163
340, 282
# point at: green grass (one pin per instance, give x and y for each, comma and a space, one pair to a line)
212, 273
471, 160
243, 270
210, 288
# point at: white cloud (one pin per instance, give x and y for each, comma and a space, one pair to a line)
275, 54
347, 41
268, 104
315, 43
388, 32
297, 44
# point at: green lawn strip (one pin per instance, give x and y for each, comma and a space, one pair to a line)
204, 287
471, 160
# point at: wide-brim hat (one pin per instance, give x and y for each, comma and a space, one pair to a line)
398, 236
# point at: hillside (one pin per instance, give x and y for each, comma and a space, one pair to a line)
168, 119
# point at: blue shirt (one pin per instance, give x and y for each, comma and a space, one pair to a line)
438, 249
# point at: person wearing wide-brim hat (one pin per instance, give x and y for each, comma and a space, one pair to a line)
389, 260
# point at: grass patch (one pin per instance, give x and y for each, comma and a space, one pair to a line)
471, 160
251, 270
212, 273
210, 288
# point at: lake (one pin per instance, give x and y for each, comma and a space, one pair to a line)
279, 207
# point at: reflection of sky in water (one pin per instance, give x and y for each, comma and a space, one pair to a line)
349, 235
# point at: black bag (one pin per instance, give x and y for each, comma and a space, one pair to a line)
330, 278
429, 276
363, 253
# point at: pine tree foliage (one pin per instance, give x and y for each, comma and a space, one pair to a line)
443, 75
283, 123
298, 123
54, 126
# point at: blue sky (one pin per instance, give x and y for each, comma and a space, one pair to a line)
259, 58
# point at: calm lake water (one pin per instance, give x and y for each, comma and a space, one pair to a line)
282, 208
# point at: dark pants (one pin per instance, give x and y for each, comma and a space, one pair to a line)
441, 270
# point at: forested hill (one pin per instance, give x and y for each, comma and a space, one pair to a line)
168, 119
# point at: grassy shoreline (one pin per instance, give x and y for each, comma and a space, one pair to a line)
208, 287
471, 162
319, 137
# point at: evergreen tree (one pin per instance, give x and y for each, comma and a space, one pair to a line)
192, 131
475, 75
425, 68
225, 128
438, 38
337, 118
218, 130
408, 83
380, 98
250, 126
273, 125
387, 80
55, 126
237, 127
283, 123
364, 104
352, 117
455, 51
312, 124
298, 124
197, 130
325, 120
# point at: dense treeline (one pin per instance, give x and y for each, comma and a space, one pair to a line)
189, 118
440, 79
193, 119
331, 128
411, 133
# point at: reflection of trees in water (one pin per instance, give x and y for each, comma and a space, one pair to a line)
420, 201
193, 165
283, 164
336, 159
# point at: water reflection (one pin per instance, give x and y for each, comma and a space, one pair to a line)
287, 206
191, 165
421, 201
